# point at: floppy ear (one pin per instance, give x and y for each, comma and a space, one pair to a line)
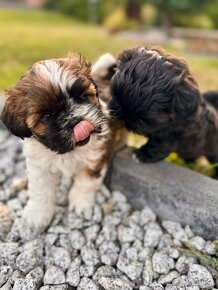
14, 113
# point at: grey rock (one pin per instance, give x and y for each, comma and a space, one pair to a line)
156, 286
126, 234
36, 275
6, 286
209, 248
73, 273
104, 271
144, 288
23, 197
176, 230
87, 284
165, 241
201, 276
132, 269
8, 254
197, 242
118, 197
77, 239
54, 276
131, 254
92, 232
114, 283
16, 275
145, 253
183, 264
147, 272
173, 287
74, 222
90, 255
162, 263
31, 256
5, 273
87, 271
109, 258
168, 278
58, 229
24, 284
189, 232
55, 287
152, 235
59, 257
50, 239
64, 242
146, 216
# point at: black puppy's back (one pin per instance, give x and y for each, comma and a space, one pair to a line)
212, 98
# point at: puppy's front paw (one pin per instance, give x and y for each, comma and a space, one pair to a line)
80, 202
38, 216
140, 155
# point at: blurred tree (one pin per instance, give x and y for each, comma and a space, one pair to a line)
169, 8
133, 9
211, 8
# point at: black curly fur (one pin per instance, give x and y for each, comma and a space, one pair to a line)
155, 95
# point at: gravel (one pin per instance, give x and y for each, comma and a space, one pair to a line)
110, 247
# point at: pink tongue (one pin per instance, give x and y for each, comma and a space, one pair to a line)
82, 130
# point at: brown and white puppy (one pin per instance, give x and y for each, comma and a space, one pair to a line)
55, 108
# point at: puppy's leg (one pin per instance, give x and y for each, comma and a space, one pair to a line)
82, 194
42, 182
39, 210
155, 150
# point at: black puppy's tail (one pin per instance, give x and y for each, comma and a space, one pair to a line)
212, 98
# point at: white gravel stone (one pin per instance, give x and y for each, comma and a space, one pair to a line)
104, 271
6, 286
9, 254
36, 275
126, 234
201, 276
132, 269
31, 256
197, 242
77, 239
152, 235
24, 284
92, 232
87, 271
5, 273
162, 263
114, 283
209, 248
156, 286
183, 264
147, 272
176, 230
131, 254
168, 278
147, 215
87, 284
90, 255
54, 276
59, 257
73, 273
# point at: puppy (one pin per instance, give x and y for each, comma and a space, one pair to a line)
55, 108
155, 95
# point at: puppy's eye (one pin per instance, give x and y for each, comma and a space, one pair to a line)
45, 118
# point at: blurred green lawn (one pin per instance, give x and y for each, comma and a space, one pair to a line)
29, 36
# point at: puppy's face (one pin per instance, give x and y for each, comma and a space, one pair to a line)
151, 90
56, 102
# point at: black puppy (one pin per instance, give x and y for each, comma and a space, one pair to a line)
155, 95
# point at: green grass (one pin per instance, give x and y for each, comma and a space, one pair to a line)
29, 36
